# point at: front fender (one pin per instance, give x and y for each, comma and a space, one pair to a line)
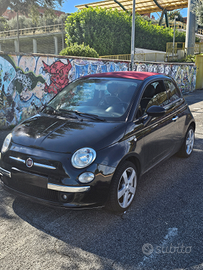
117, 153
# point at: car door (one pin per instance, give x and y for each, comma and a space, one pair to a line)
176, 107
157, 132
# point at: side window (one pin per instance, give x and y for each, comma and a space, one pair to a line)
173, 93
154, 94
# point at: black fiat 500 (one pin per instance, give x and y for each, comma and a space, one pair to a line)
91, 143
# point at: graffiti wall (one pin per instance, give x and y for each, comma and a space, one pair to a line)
184, 74
28, 82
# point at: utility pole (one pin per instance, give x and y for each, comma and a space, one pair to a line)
18, 42
190, 30
63, 40
133, 37
174, 35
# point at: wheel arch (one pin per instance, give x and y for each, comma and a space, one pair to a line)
112, 202
134, 159
193, 125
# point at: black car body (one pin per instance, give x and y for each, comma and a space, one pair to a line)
127, 123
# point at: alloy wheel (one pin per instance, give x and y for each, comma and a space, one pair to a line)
127, 187
190, 141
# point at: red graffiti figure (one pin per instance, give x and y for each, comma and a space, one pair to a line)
59, 76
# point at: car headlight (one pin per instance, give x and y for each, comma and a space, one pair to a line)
6, 143
83, 157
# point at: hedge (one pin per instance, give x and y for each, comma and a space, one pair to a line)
109, 31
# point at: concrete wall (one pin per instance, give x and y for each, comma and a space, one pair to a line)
29, 81
183, 73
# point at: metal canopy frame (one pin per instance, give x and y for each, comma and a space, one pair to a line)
142, 6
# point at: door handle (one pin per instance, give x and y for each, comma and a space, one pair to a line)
175, 118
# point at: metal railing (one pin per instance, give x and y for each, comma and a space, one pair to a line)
117, 57
177, 46
180, 51
180, 25
153, 57
32, 31
181, 46
59, 27
198, 48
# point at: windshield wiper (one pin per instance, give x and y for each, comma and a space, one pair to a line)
64, 112
50, 108
92, 116
58, 112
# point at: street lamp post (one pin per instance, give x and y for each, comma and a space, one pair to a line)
133, 36
18, 42
174, 34
63, 35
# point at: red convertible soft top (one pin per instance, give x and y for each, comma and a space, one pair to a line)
125, 74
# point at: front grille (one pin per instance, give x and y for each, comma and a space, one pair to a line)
31, 190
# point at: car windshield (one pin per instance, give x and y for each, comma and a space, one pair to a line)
101, 97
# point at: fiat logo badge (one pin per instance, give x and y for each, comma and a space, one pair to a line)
29, 162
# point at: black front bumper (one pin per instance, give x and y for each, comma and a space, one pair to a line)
38, 188
52, 179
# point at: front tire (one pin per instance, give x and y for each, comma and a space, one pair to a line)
123, 188
188, 144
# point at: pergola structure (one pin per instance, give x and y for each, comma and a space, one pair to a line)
142, 6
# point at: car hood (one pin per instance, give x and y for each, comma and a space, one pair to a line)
62, 135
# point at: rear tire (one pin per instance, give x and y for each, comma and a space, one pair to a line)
188, 144
123, 188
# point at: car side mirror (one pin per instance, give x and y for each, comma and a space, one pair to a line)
156, 111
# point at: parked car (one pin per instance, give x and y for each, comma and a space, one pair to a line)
92, 142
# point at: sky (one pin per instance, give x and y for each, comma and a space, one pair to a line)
69, 6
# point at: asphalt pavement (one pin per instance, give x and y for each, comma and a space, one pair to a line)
163, 229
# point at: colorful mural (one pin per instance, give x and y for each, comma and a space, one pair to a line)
28, 82
59, 76
183, 74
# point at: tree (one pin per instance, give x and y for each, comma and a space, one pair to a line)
198, 10
24, 5
3, 24
23, 22
152, 20
172, 14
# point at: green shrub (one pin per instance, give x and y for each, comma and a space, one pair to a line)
190, 58
154, 37
79, 50
109, 31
